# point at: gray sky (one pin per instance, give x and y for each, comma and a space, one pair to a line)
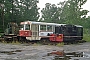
42, 4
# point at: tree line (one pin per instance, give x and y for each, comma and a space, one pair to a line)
67, 12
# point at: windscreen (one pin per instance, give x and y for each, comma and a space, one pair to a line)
25, 27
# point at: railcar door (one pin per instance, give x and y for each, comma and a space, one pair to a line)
35, 32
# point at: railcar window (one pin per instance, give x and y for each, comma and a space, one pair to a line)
43, 27
74, 29
49, 28
27, 27
80, 31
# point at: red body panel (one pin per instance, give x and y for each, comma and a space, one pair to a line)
56, 38
25, 33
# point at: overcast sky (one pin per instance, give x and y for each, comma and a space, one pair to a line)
42, 4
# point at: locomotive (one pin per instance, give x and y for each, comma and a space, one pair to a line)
11, 32
70, 33
32, 31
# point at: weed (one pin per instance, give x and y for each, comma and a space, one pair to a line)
60, 44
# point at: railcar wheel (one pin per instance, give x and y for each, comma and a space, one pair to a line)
22, 39
45, 41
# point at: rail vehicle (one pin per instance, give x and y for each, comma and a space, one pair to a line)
67, 33
11, 32
31, 30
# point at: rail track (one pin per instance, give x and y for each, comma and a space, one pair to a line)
42, 42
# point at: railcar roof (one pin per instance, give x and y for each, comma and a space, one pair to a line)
44, 23
78, 26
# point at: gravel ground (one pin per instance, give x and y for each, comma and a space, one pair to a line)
79, 51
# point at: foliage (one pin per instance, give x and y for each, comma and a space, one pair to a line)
49, 13
60, 44
69, 12
86, 37
72, 12
29, 10
86, 23
17, 11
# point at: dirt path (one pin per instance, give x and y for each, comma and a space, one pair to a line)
44, 52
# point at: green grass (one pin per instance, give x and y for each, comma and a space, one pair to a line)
60, 44
86, 37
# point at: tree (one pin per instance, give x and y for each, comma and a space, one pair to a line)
29, 10
86, 23
19, 10
72, 12
49, 13
1, 15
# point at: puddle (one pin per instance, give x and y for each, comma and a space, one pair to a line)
12, 48
61, 55
18, 51
10, 52
7, 52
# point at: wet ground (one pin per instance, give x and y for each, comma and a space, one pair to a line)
79, 51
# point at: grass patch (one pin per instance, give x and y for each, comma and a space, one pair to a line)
60, 44
13, 43
16, 43
86, 37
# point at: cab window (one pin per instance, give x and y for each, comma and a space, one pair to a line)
27, 27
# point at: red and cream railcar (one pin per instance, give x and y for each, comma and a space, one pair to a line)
32, 30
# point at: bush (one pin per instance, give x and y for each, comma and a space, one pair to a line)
86, 35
